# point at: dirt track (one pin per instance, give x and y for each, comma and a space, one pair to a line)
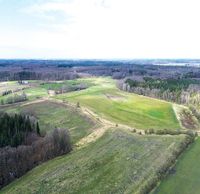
103, 124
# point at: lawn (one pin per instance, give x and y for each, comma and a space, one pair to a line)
121, 107
51, 115
185, 179
118, 162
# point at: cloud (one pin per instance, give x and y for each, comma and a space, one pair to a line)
110, 28
69, 9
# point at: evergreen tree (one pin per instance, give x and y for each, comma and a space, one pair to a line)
37, 128
15, 128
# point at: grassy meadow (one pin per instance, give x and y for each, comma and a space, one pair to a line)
118, 162
10, 85
51, 115
32, 90
185, 178
121, 107
56, 85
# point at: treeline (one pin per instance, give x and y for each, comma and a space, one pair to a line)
14, 99
183, 91
43, 74
6, 92
163, 84
167, 167
15, 129
16, 161
64, 88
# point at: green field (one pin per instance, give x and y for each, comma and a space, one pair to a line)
68, 83
185, 179
11, 85
34, 93
121, 107
32, 90
118, 162
51, 115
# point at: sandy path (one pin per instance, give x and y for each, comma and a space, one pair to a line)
103, 123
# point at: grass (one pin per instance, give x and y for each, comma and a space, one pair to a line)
121, 107
51, 115
68, 83
32, 92
10, 85
118, 162
185, 180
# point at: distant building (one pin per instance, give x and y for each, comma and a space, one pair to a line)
23, 82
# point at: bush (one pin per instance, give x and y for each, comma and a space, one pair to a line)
16, 98
6, 92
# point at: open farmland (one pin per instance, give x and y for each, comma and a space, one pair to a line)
118, 162
107, 158
122, 107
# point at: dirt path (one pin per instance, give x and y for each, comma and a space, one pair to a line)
92, 137
103, 123
35, 101
177, 110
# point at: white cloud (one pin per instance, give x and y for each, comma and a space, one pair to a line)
113, 29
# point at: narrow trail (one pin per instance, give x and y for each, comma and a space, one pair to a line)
103, 124
35, 101
99, 131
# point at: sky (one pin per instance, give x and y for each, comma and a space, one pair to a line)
99, 29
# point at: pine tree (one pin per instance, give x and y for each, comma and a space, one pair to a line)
37, 128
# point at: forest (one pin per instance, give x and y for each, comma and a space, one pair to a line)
180, 90
16, 129
22, 147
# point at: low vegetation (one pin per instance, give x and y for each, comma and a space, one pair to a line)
184, 177
15, 98
118, 162
121, 107
123, 142
65, 86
